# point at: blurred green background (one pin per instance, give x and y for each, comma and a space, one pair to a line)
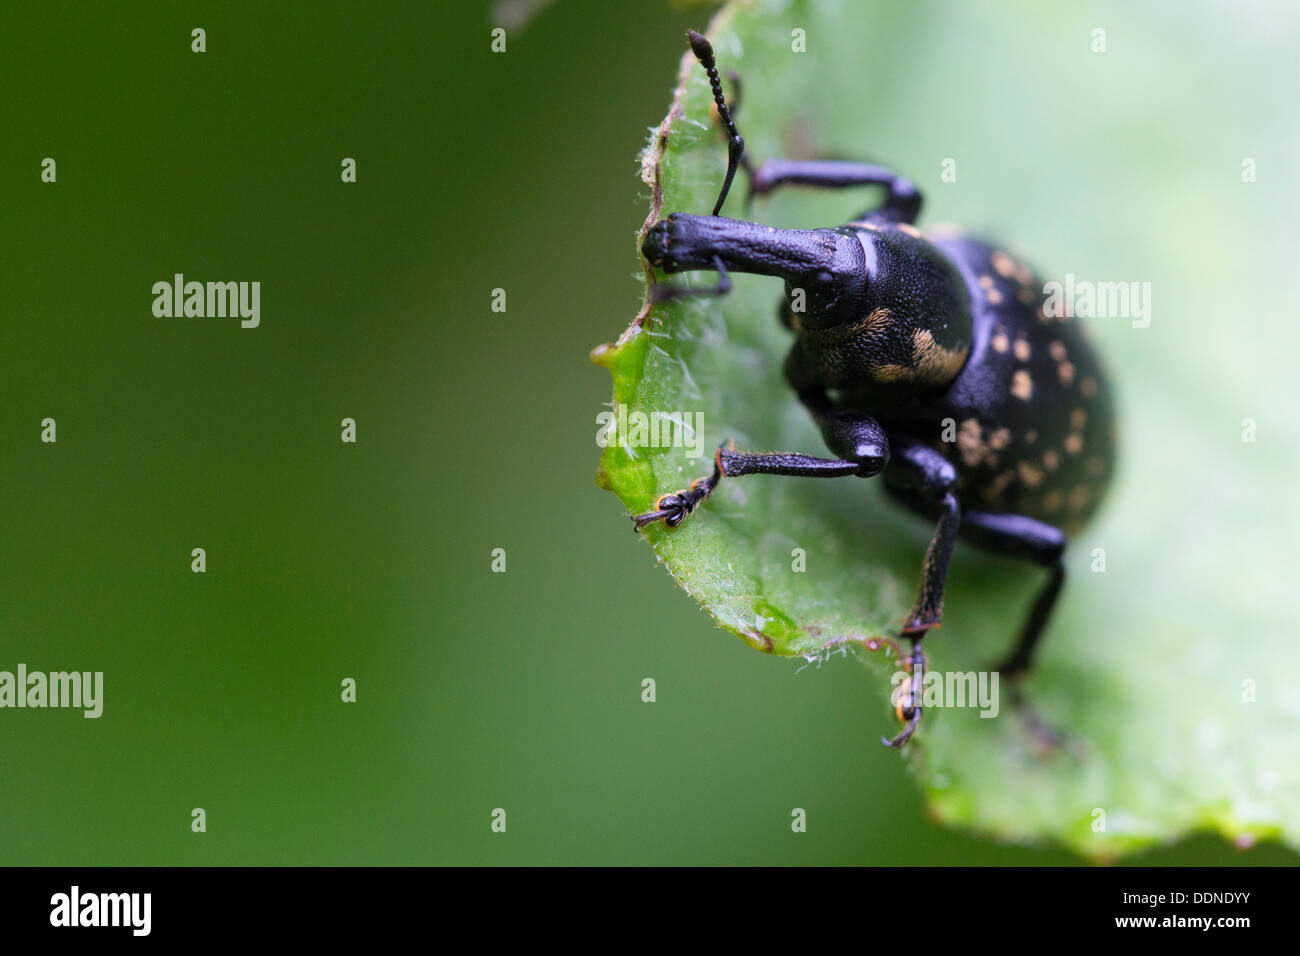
476, 429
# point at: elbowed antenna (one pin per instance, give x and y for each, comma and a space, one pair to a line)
703, 51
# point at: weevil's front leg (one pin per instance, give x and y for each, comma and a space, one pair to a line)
902, 202
664, 293
918, 472
828, 264
673, 509
847, 433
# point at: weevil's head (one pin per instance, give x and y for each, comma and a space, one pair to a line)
907, 331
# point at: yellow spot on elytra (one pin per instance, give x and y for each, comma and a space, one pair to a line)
998, 486
994, 297
1000, 342
1057, 350
1052, 501
1004, 264
999, 439
1051, 460
1079, 497
851, 333
1031, 436
1022, 386
986, 282
1088, 386
1025, 295
1077, 419
1074, 443
970, 442
1030, 475
1022, 349
1065, 372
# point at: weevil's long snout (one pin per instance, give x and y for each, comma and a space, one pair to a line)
683, 241
828, 265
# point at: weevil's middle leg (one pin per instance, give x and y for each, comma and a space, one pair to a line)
909, 703
920, 475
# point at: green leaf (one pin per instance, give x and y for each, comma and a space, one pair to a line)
1151, 664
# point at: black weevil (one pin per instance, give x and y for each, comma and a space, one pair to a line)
927, 359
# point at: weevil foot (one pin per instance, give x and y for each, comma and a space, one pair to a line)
908, 697
913, 715
672, 509
667, 293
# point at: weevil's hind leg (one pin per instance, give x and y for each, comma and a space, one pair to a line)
1017, 662
672, 509
1044, 545
1033, 540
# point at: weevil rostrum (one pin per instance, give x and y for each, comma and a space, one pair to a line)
926, 359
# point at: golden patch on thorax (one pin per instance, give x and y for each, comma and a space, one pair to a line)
932, 363
865, 327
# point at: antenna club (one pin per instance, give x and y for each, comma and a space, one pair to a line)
701, 47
